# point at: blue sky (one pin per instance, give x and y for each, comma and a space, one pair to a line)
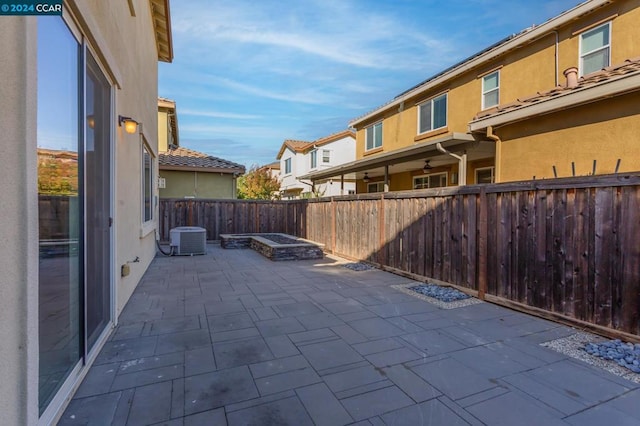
249, 74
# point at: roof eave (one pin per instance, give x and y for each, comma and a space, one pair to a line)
571, 99
388, 157
161, 16
229, 170
517, 41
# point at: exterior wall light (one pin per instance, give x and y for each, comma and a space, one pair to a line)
365, 179
130, 125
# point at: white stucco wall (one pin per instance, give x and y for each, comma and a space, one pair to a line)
19, 224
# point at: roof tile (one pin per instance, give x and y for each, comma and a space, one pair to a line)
184, 157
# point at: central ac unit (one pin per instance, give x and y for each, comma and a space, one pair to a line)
188, 240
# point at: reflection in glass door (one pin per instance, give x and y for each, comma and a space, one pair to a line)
59, 189
98, 200
74, 196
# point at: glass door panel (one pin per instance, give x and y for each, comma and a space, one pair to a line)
59, 205
98, 201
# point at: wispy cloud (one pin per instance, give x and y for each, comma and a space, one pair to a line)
218, 114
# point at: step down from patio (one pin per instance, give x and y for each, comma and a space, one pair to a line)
274, 246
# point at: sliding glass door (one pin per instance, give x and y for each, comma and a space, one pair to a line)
74, 196
98, 200
60, 205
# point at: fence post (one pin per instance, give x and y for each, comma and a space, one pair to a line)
482, 244
382, 259
333, 226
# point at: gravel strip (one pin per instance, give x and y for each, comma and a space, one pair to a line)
358, 266
573, 346
405, 288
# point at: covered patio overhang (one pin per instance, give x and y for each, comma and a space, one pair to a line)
448, 149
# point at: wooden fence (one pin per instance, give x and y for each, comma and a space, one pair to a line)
566, 249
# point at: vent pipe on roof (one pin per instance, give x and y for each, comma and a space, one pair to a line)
572, 77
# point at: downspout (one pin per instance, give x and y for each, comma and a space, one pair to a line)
556, 56
492, 136
462, 164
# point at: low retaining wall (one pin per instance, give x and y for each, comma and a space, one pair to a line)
274, 246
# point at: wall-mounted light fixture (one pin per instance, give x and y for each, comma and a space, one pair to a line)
427, 166
130, 125
365, 179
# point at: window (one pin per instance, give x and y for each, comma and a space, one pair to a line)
314, 158
435, 180
326, 156
147, 184
491, 90
432, 114
374, 136
287, 166
375, 187
485, 175
595, 49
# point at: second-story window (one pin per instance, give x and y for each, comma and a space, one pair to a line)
326, 156
595, 49
314, 158
374, 136
432, 114
491, 90
287, 166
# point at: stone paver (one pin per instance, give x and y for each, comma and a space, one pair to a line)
233, 338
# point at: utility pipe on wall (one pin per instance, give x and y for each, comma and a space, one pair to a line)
498, 141
462, 164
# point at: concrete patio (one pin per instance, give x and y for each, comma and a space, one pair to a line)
233, 338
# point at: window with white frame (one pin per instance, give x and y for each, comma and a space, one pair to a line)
147, 184
491, 90
287, 166
595, 49
374, 136
314, 158
432, 114
485, 175
375, 187
326, 156
434, 180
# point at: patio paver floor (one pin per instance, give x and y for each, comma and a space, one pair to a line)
234, 338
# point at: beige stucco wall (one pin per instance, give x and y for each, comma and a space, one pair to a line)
163, 130
125, 45
19, 224
605, 132
180, 184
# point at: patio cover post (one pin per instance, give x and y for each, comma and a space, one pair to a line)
386, 178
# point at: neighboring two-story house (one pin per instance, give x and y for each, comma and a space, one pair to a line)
299, 158
185, 173
558, 99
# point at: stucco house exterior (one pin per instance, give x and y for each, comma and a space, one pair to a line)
79, 194
299, 158
185, 173
557, 99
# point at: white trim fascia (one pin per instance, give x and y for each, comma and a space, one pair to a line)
520, 39
571, 99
